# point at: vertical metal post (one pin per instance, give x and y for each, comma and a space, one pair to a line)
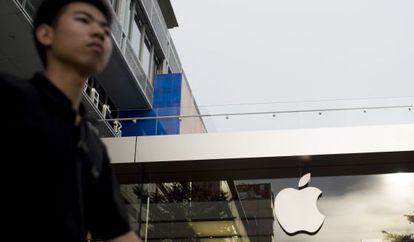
146, 220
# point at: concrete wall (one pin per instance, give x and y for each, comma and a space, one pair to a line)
189, 107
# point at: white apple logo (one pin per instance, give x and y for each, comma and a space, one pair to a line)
296, 210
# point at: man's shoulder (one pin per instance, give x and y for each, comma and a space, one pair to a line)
10, 84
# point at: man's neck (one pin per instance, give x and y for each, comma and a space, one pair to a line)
67, 80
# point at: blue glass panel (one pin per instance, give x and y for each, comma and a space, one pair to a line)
167, 102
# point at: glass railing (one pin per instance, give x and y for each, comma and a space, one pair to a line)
100, 110
270, 116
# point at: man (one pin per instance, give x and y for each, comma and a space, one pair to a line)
62, 187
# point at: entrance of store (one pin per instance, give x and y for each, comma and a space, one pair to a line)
177, 188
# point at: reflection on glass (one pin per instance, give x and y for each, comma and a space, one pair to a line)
400, 179
146, 58
308, 114
135, 38
358, 208
201, 211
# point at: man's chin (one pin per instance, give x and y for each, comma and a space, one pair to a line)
91, 69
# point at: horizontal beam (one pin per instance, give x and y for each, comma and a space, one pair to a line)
265, 168
264, 154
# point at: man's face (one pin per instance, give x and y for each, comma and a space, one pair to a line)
81, 38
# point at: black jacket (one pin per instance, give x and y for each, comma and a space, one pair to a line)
58, 183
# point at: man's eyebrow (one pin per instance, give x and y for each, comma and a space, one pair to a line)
104, 22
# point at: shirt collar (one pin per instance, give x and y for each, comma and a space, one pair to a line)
55, 98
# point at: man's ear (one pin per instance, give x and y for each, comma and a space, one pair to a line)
44, 34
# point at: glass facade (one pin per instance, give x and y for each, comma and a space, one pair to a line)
357, 208
185, 211
167, 99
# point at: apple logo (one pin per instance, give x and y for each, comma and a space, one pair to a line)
296, 210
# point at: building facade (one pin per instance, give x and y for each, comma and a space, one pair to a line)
143, 49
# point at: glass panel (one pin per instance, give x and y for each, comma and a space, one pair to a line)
135, 38
146, 58
154, 69
356, 208
182, 211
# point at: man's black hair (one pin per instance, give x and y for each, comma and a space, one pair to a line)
49, 12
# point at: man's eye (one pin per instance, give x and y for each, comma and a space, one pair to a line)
83, 20
107, 32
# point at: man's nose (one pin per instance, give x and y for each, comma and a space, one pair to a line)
99, 35
98, 32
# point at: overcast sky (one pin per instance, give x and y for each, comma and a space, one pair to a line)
243, 51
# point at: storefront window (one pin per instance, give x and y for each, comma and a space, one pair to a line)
368, 208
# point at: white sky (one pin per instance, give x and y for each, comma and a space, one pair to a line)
243, 51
